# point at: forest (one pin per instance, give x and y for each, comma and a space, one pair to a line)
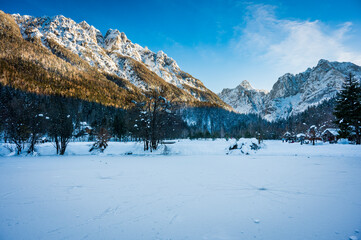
28, 119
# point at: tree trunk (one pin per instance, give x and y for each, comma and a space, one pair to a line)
32, 144
146, 145
57, 144
18, 148
63, 144
62, 150
154, 144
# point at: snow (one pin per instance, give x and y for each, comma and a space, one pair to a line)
292, 94
107, 52
283, 107
283, 191
333, 131
244, 98
244, 146
300, 135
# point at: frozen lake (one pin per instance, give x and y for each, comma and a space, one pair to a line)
284, 191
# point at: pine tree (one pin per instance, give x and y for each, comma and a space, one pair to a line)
348, 109
118, 126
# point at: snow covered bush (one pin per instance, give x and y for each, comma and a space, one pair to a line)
101, 144
343, 141
244, 146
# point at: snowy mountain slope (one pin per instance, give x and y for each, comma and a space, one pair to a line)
244, 98
293, 94
113, 54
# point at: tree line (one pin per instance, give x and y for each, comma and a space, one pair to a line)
26, 118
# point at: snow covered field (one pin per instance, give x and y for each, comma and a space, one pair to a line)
196, 191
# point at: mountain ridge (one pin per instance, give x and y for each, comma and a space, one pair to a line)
113, 56
292, 94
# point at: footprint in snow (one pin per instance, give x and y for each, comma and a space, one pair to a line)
353, 238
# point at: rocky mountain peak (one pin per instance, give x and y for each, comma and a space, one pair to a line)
244, 98
164, 60
60, 20
84, 25
293, 94
246, 85
324, 65
322, 62
114, 38
161, 54
94, 33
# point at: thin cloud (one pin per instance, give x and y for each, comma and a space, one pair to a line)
291, 45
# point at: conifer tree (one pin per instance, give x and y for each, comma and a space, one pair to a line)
118, 126
348, 109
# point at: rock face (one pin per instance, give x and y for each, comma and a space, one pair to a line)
113, 54
292, 94
244, 98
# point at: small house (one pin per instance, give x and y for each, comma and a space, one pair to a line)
330, 135
287, 136
42, 140
301, 137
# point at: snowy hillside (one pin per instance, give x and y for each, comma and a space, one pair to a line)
284, 191
112, 53
292, 94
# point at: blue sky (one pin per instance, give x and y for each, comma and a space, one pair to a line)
225, 42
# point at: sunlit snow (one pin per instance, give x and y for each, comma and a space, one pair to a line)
188, 190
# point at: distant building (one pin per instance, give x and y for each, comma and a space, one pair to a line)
42, 140
301, 138
330, 135
287, 136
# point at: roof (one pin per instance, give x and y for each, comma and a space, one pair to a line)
333, 131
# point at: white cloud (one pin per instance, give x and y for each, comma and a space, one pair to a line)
292, 45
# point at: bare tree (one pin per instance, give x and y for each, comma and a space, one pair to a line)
156, 119
312, 133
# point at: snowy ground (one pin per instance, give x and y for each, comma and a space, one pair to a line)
284, 191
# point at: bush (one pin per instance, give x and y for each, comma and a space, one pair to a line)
244, 146
101, 144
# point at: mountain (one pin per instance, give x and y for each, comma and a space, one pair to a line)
244, 98
292, 94
57, 56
